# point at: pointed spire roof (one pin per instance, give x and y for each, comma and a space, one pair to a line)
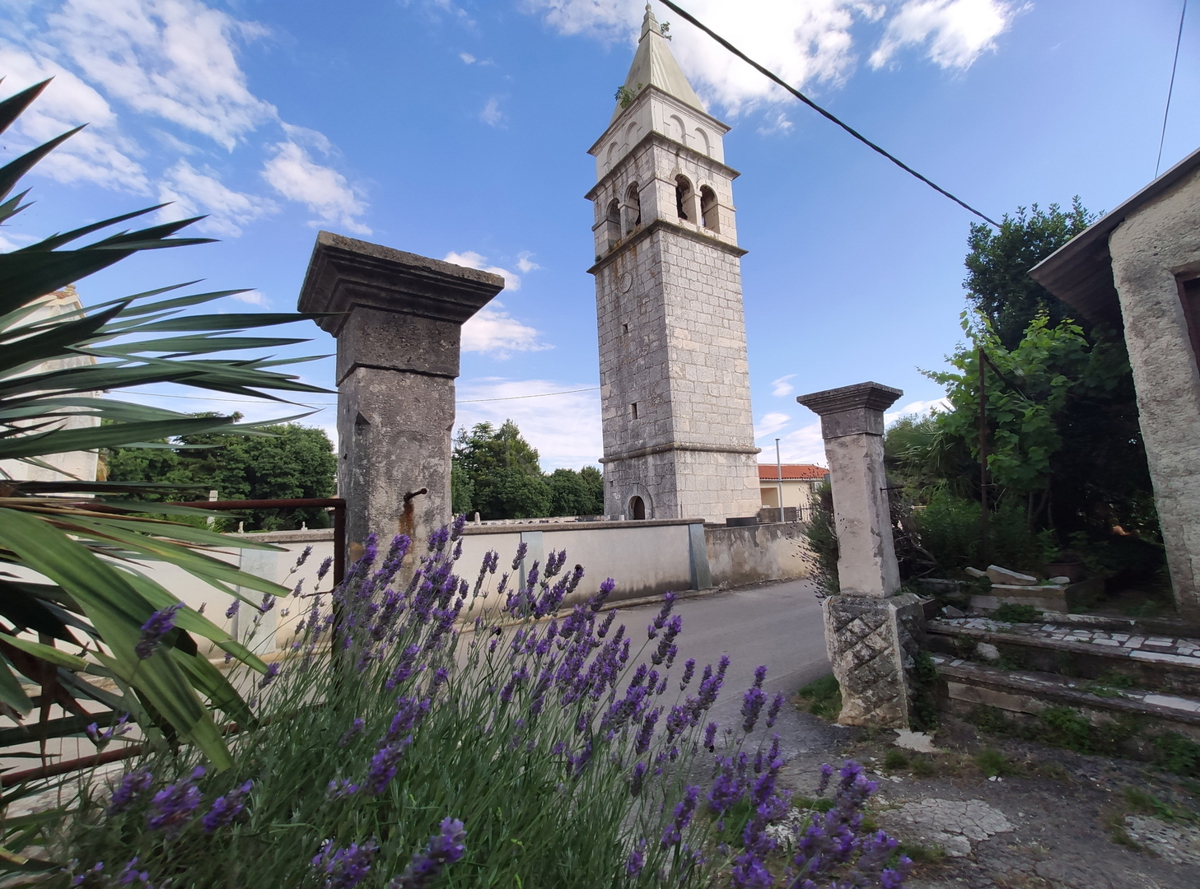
654, 64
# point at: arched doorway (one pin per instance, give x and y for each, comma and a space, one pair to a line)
637, 508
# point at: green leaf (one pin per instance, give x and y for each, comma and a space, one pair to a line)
117, 611
46, 652
10, 689
11, 108
12, 172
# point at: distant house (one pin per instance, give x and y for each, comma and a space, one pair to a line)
1138, 269
800, 481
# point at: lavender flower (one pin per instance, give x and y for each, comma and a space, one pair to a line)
753, 700
660, 619
773, 710
383, 765
233, 609
636, 860
683, 817
269, 676
268, 602
637, 779
324, 568
132, 785
103, 737
355, 728
172, 806
226, 808
130, 874
155, 628
304, 555
689, 670
344, 868
339, 789
710, 736
444, 848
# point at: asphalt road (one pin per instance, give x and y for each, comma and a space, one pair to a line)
778, 625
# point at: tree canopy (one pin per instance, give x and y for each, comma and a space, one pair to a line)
291, 461
496, 473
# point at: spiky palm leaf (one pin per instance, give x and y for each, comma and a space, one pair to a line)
79, 583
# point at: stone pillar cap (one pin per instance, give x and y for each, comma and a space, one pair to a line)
872, 396
851, 410
345, 273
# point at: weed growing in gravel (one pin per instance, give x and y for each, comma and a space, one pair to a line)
822, 697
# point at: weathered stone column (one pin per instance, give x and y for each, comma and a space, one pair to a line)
398, 320
869, 631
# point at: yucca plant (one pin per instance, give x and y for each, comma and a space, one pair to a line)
75, 550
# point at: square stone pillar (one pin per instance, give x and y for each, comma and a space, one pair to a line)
870, 633
397, 318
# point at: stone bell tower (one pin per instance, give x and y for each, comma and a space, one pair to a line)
675, 391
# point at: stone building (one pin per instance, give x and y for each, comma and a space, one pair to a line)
75, 464
1138, 268
675, 393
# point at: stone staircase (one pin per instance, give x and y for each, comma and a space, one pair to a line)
1132, 679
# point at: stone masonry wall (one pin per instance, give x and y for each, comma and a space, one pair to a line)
1149, 249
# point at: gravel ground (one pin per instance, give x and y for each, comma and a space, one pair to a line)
1056, 819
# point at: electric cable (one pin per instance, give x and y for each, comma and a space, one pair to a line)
1170, 89
811, 104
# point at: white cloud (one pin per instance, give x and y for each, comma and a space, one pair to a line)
491, 113
253, 297
99, 154
920, 408
565, 429
472, 260
770, 424
781, 387
496, 333
805, 445
467, 58
295, 176
173, 59
525, 262
805, 43
957, 31
193, 192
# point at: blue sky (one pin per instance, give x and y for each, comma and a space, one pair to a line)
459, 130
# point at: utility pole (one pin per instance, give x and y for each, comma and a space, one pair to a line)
779, 476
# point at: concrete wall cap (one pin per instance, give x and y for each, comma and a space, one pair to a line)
345, 273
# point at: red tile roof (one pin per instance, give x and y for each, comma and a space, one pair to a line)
806, 471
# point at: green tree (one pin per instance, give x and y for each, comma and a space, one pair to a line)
593, 480
500, 470
998, 283
288, 462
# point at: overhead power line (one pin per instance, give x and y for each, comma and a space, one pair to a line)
334, 403
537, 395
1170, 89
813, 105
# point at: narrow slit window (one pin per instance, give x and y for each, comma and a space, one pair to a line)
633, 410
633, 208
1189, 294
625, 329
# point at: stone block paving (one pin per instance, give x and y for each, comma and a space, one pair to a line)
1157, 649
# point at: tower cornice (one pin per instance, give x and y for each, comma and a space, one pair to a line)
656, 138
643, 97
663, 225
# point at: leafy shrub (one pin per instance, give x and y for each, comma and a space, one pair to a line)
533, 747
821, 534
1011, 612
949, 528
1177, 754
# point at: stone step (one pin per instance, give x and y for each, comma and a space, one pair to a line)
1169, 664
965, 686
